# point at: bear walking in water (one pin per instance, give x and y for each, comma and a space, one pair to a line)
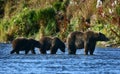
87, 40
23, 44
52, 44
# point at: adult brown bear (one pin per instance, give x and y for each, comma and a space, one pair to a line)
24, 44
86, 40
52, 44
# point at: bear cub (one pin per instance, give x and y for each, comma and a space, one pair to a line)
87, 40
24, 44
52, 44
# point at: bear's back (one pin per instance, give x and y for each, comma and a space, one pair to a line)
17, 43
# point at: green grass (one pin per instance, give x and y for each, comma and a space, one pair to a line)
36, 18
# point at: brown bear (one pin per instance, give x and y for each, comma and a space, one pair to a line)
86, 40
52, 44
24, 44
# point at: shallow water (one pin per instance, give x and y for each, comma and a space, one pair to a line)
104, 61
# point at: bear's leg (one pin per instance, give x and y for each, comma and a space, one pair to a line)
26, 51
86, 51
42, 51
72, 52
92, 51
12, 51
86, 47
53, 50
71, 49
92, 48
17, 52
33, 51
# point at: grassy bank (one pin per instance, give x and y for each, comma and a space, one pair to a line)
36, 18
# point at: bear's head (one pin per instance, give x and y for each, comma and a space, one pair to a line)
101, 37
59, 43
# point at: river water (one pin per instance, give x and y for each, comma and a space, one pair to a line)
104, 61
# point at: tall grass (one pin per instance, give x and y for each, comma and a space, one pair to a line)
28, 22
36, 18
81, 11
112, 18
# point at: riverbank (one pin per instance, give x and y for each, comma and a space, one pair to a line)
112, 45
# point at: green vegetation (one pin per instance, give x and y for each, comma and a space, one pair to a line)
36, 18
